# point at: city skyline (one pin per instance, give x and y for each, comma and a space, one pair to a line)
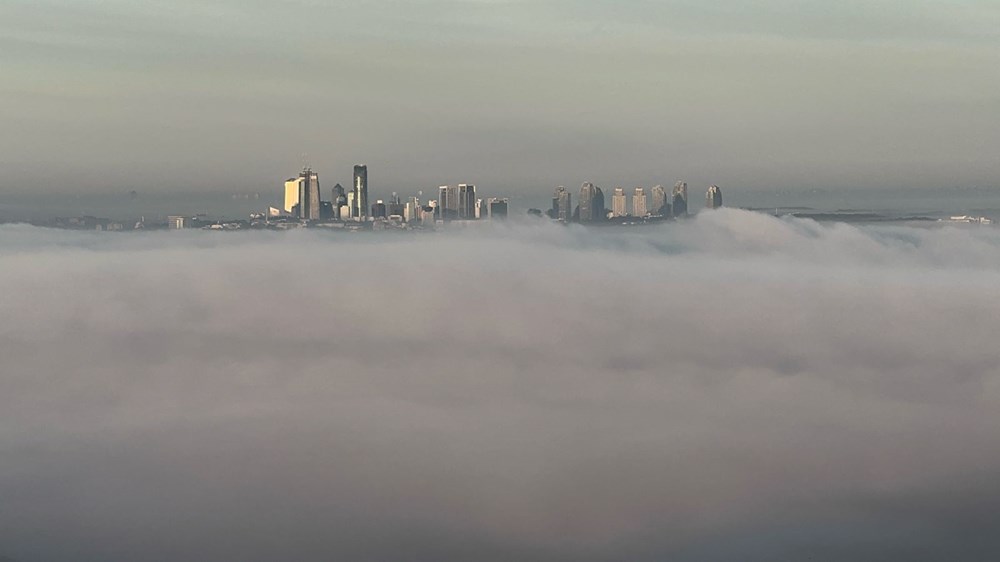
499, 280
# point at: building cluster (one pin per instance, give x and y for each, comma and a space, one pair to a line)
302, 203
658, 205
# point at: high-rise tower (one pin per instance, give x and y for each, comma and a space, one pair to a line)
618, 203
309, 206
466, 201
291, 198
591, 203
359, 210
713, 197
639, 203
448, 202
661, 205
562, 207
680, 199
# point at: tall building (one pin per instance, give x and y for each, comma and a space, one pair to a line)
660, 205
412, 209
339, 201
466, 201
309, 206
176, 222
291, 198
591, 203
448, 202
618, 203
680, 199
713, 198
639, 203
562, 205
359, 210
379, 210
496, 207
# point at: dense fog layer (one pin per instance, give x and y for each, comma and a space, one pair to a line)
734, 387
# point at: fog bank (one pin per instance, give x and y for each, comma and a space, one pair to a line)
734, 387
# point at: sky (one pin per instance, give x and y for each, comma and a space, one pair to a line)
732, 387
515, 96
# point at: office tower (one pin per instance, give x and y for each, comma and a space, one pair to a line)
176, 222
412, 209
326, 211
713, 198
338, 201
660, 206
379, 210
591, 203
466, 201
350, 207
309, 206
680, 199
618, 203
496, 207
562, 208
359, 210
291, 194
639, 203
448, 202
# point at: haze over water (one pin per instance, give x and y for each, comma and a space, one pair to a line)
727, 386
734, 386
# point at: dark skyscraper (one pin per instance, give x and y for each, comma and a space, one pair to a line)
448, 202
496, 207
680, 199
466, 201
338, 199
591, 203
713, 198
309, 206
360, 190
660, 205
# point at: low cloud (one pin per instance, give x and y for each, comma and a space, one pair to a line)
734, 387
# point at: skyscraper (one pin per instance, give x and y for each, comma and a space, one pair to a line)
660, 205
309, 207
359, 209
496, 207
591, 203
562, 205
639, 203
600, 209
713, 198
680, 199
466, 201
291, 198
448, 202
339, 200
618, 203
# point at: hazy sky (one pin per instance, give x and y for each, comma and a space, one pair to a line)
733, 387
106, 95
